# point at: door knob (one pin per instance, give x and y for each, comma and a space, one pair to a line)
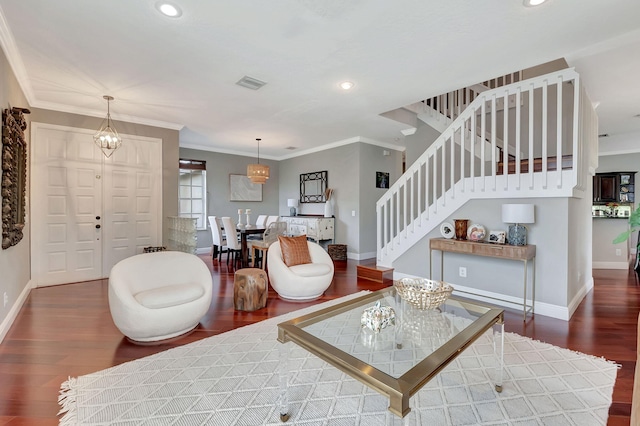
97, 217
97, 226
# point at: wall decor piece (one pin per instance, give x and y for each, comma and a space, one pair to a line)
313, 186
447, 230
14, 175
242, 189
497, 237
382, 180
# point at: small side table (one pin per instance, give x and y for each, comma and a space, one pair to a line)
250, 288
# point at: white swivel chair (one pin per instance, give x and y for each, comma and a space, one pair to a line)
219, 243
233, 243
300, 282
157, 296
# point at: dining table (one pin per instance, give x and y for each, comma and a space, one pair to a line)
244, 231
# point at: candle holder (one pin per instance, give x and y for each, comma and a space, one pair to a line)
240, 211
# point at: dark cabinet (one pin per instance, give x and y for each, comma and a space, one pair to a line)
605, 187
614, 187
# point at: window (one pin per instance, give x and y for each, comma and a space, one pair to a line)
192, 191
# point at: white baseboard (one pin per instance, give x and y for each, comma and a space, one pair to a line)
610, 265
361, 256
203, 250
13, 312
541, 308
577, 299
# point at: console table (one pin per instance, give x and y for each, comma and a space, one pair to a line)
317, 228
508, 252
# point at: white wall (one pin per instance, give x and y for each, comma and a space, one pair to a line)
15, 264
351, 173
556, 281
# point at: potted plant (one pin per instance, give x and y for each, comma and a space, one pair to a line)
634, 225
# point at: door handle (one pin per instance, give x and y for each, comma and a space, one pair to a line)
97, 226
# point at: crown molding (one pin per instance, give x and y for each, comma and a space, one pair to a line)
8, 44
357, 139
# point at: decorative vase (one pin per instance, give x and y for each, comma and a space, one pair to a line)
461, 228
328, 208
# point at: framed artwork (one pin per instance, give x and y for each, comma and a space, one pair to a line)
242, 189
382, 180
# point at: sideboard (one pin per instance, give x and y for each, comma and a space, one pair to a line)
317, 228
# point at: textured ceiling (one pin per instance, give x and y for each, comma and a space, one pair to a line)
181, 72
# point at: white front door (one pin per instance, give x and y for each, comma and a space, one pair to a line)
89, 212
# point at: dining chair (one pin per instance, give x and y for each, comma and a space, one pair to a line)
261, 246
219, 244
261, 221
233, 243
271, 219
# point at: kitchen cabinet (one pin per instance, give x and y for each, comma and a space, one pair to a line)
605, 187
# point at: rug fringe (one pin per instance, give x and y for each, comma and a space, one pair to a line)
619, 366
67, 402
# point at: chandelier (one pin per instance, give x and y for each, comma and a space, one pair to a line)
258, 173
107, 137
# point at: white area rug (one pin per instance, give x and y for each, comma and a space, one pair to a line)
232, 379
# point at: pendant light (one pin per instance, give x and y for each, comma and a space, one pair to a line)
107, 137
258, 173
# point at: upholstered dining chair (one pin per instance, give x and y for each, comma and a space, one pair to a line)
233, 242
261, 221
219, 243
270, 220
261, 246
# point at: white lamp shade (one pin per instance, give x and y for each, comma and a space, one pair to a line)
292, 202
518, 213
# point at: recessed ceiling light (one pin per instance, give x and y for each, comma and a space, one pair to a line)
346, 85
169, 9
531, 3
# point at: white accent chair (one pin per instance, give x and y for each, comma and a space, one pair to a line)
157, 296
219, 243
300, 282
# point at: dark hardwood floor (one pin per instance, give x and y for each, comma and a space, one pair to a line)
67, 330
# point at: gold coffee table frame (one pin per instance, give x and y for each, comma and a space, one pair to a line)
399, 390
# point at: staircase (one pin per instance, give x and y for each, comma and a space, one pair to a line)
490, 139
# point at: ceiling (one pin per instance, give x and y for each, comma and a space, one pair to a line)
181, 72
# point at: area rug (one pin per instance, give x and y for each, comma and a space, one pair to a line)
232, 379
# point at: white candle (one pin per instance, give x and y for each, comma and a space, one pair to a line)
239, 211
248, 211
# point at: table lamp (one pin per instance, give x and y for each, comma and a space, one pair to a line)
292, 203
517, 214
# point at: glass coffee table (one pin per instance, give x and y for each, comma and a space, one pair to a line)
400, 359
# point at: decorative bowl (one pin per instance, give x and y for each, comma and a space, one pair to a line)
423, 293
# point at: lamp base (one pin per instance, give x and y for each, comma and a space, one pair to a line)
517, 235
292, 211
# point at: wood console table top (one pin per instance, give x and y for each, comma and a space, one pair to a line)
503, 251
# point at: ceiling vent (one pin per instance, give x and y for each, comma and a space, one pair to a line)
250, 83
291, 148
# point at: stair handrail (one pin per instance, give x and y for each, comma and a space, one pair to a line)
432, 175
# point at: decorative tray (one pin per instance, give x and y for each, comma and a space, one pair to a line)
423, 293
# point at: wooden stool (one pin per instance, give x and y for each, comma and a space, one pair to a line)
250, 289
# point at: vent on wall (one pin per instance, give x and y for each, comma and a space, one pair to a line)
250, 83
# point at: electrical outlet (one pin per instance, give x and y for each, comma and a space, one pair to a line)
463, 272
618, 252
353, 213
6, 299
